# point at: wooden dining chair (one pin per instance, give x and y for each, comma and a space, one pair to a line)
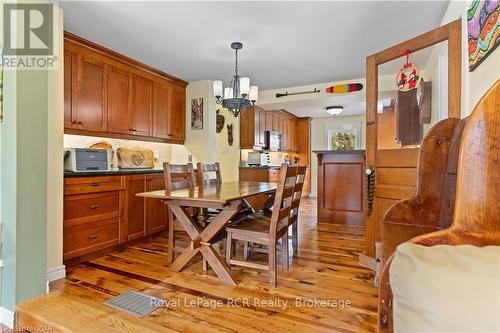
294, 209
177, 176
259, 229
205, 171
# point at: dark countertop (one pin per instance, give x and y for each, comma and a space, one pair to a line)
357, 151
114, 172
259, 167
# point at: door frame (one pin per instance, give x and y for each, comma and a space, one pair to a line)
451, 32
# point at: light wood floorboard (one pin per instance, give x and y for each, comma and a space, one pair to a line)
326, 268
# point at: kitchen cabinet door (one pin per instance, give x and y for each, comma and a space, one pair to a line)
136, 227
89, 95
118, 105
269, 120
161, 110
262, 127
68, 81
177, 113
142, 106
284, 132
292, 137
276, 121
156, 211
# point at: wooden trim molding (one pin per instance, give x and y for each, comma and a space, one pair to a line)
111, 135
122, 58
450, 32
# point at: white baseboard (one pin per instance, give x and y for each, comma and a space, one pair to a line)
6, 317
56, 273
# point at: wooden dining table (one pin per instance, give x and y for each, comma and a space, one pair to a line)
227, 198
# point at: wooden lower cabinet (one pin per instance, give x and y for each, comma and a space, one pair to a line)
341, 187
103, 211
250, 174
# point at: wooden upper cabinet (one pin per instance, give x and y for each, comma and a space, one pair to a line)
176, 116
119, 101
276, 121
107, 94
68, 81
269, 120
161, 105
261, 142
141, 114
89, 95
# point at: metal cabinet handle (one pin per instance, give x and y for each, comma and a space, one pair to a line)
93, 237
94, 206
95, 184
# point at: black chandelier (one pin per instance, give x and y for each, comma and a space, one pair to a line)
239, 95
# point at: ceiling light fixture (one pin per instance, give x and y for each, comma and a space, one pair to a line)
334, 110
239, 95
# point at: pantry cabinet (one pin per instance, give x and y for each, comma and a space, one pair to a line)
107, 94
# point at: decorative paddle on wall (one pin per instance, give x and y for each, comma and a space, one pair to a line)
344, 88
278, 95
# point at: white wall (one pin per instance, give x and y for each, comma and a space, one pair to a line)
319, 140
476, 83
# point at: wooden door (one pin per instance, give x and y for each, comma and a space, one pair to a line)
156, 211
395, 169
118, 106
176, 114
136, 227
69, 122
142, 106
89, 95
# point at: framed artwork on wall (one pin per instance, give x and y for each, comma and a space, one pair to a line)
343, 139
197, 114
483, 30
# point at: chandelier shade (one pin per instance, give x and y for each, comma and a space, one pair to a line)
239, 95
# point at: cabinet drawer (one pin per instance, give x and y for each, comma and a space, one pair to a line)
80, 185
90, 237
88, 207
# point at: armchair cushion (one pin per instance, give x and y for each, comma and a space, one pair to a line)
446, 288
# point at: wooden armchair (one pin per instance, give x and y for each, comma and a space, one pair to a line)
476, 211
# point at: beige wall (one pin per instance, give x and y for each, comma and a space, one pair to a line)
319, 128
228, 156
201, 143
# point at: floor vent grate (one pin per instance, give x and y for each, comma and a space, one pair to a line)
134, 303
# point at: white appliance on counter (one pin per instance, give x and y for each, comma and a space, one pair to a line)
86, 159
257, 159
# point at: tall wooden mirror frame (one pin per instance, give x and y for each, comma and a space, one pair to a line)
398, 166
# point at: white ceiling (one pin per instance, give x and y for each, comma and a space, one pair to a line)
286, 44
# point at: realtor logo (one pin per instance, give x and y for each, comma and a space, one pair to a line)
28, 29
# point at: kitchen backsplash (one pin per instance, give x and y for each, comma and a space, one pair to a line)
166, 152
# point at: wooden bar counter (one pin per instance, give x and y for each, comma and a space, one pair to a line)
341, 186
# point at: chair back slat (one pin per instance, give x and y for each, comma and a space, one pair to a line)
283, 199
299, 186
178, 176
206, 171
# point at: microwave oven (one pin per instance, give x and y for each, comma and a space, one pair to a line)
273, 141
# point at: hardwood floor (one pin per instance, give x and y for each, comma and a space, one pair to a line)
326, 269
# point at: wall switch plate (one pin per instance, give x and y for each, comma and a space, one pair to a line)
156, 155
190, 158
